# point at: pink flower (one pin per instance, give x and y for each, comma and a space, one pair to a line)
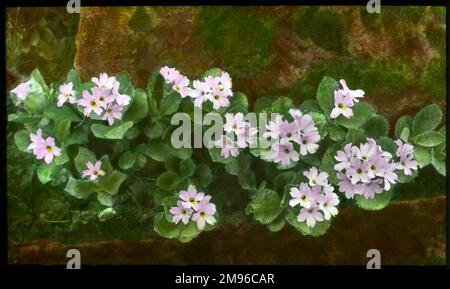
370, 189
90, 103
346, 186
234, 122
344, 158
247, 136
311, 215
284, 152
190, 198
228, 146
200, 93
66, 93
315, 178
169, 74
121, 99
180, 213
36, 140
180, 85
273, 128
301, 195
112, 112
289, 131
353, 94
46, 149
93, 171
342, 105
204, 213
327, 204
103, 96
104, 82
21, 91
219, 100
308, 142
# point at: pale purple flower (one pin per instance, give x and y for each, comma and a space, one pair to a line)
344, 158
247, 136
273, 128
353, 94
112, 112
407, 164
359, 171
104, 81
366, 150
289, 131
346, 186
224, 84
190, 198
228, 145
370, 189
36, 140
311, 215
180, 213
90, 103
327, 204
66, 93
284, 152
200, 93
304, 122
204, 213
308, 142
47, 150
180, 85
121, 99
21, 91
93, 171
234, 122
219, 100
301, 195
315, 178
103, 96
377, 166
342, 105
390, 177
403, 150
169, 74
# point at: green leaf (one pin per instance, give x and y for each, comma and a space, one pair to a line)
127, 160
428, 139
319, 229
325, 94
181, 153
111, 132
138, 108
403, 179
202, 176
422, 156
328, 162
24, 118
240, 163
126, 87
439, 165
277, 224
154, 130
402, 123
111, 182
62, 159
165, 228
265, 206
105, 199
62, 113
283, 179
406, 132
356, 136
38, 79
377, 126
262, 104
337, 133
216, 156
35, 102
247, 180
169, 104
84, 155
79, 135
320, 121
238, 103
61, 130
310, 105
106, 214
158, 151
387, 145
74, 76
44, 173
22, 140
282, 105
80, 189
189, 232
379, 202
168, 181
427, 119
362, 112
187, 168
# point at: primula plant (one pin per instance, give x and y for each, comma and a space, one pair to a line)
105, 141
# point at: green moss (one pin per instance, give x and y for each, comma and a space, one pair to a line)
242, 42
377, 78
325, 27
392, 16
141, 20
436, 38
433, 78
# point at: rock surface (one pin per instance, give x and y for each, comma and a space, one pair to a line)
405, 234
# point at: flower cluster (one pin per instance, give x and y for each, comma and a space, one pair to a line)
43, 148
301, 134
194, 205
239, 134
21, 91
405, 152
368, 170
105, 99
316, 198
217, 89
344, 100
93, 171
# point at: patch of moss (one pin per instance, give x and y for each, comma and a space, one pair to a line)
325, 27
436, 38
141, 20
433, 78
242, 42
377, 78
